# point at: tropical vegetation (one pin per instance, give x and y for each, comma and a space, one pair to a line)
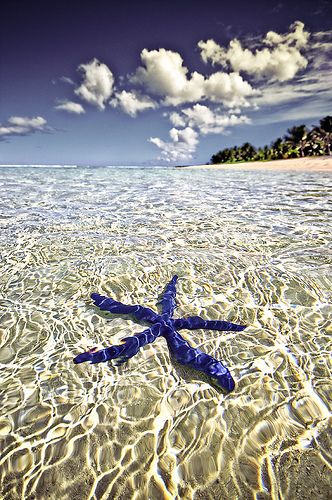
298, 142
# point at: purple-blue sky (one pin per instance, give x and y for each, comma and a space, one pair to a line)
157, 82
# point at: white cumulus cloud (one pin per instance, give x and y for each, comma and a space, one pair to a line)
97, 85
228, 88
181, 147
71, 107
206, 120
280, 59
132, 102
298, 37
176, 119
22, 125
164, 74
306, 96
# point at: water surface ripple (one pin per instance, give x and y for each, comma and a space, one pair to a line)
248, 247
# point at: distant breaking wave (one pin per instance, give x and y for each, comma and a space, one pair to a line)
79, 166
36, 166
131, 166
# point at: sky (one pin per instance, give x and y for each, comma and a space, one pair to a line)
157, 82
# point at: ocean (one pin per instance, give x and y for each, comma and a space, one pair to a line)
249, 247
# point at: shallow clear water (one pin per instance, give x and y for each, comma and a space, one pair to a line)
248, 247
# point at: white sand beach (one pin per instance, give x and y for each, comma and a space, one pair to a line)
314, 164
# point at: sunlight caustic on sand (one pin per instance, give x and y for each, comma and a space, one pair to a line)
248, 247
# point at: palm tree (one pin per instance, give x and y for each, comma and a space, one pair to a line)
223, 156
322, 135
278, 149
326, 124
297, 139
267, 153
248, 151
259, 156
216, 158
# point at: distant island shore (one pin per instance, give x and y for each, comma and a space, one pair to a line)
307, 164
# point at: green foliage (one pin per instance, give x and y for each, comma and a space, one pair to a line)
298, 142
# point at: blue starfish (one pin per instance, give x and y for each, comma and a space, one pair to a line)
163, 325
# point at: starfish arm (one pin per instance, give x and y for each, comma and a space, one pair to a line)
185, 354
139, 312
195, 322
168, 301
124, 351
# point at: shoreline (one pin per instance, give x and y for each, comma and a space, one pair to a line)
307, 164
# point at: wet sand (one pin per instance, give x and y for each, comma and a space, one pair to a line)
312, 164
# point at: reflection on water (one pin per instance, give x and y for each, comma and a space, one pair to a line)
248, 247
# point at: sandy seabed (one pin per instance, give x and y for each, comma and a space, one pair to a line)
249, 247
312, 164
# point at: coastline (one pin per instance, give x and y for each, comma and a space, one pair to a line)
308, 164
